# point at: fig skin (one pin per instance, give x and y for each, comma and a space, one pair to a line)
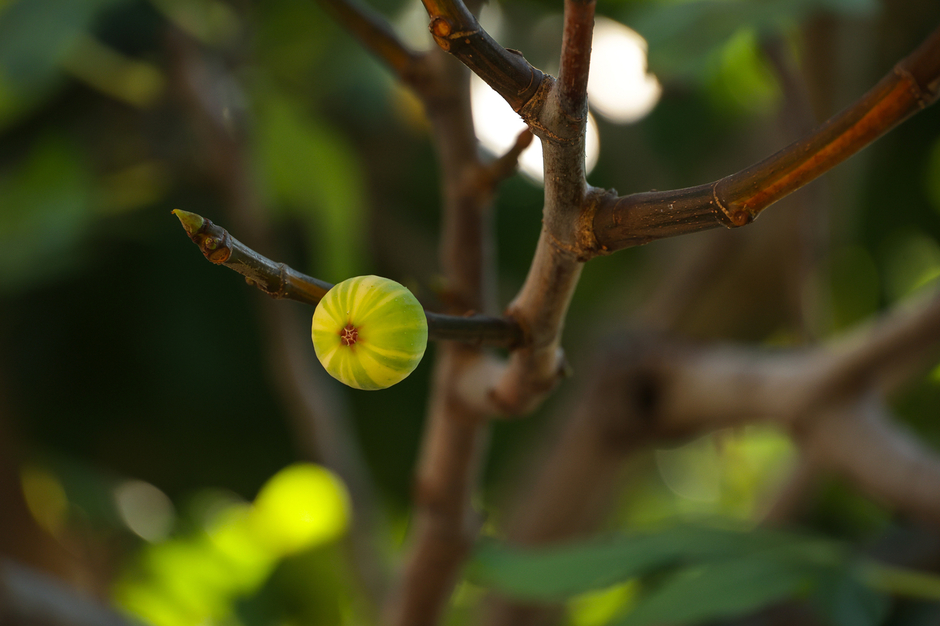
369, 332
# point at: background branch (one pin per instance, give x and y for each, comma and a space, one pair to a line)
859, 441
32, 598
735, 200
374, 33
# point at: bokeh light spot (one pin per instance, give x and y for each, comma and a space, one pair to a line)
44, 497
497, 127
300, 506
619, 86
729, 473
145, 510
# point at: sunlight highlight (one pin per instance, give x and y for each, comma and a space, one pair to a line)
619, 86
146, 510
729, 473
497, 127
197, 578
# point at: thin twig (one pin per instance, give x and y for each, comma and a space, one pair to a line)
374, 33
558, 117
283, 282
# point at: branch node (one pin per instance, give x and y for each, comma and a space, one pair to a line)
533, 107
924, 98
587, 240
561, 246
733, 218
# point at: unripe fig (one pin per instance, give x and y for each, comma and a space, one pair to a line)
369, 332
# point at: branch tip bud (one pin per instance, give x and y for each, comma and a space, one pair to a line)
190, 221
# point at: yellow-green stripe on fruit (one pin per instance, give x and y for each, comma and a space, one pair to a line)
369, 332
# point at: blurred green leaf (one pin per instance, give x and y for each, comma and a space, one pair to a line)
35, 37
845, 601
560, 572
854, 286
45, 210
597, 608
910, 261
210, 21
722, 589
900, 580
36, 34
741, 77
314, 175
684, 37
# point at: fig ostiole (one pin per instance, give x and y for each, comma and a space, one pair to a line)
369, 332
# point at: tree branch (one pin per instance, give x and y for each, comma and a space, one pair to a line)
456, 432
643, 390
283, 282
374, 33
457, 31
558, 117
576, 57
858, 440
735, 200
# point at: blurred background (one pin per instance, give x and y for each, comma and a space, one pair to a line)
149, 452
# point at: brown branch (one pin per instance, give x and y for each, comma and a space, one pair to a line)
457, 31
374, 33
558, 116
735, 200
576, 57
668, 389
445, 525
283, 282
649, 389
862, 443
456, 434
503, 167
881, 354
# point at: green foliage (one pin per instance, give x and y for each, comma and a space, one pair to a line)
198, 577
692, 574
36, 34
844, 600
561, 572
48, 201
684, 36
719, 589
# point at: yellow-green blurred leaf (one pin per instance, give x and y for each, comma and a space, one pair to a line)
299, 507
